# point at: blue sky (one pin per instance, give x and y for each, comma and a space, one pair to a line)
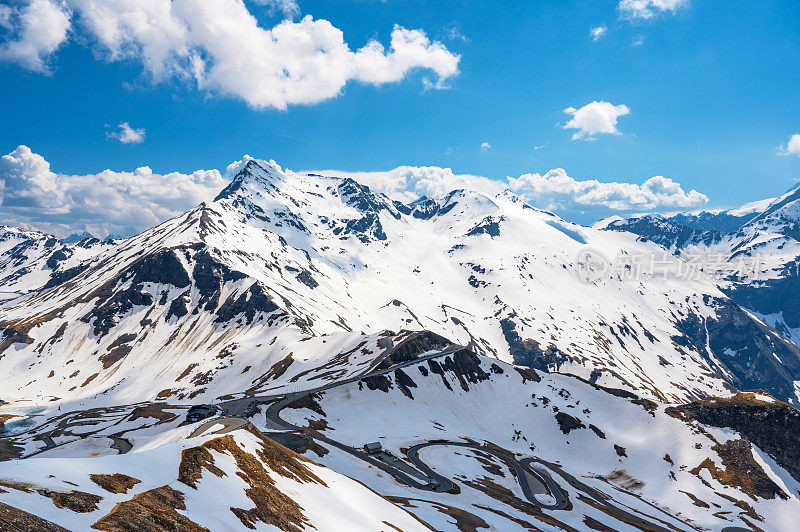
711, 88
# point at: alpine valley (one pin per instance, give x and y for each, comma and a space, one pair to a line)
463, 362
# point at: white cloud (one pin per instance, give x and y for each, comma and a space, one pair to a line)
486, 146
409, 49
647, 9
33, 195
585, 200
5, 17
598, 32
219, 45
288, 8
435, 85
127, 134
555, 190
595, 118
39, 28
28, 183
792, 146
102, 203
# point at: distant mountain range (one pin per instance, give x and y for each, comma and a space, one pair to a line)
290, 281
282, 253
764, 234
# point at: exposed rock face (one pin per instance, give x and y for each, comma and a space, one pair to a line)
528, 352
25, 521
751, 354
116, 483
741, 470
757, 248
155, 509
489, 226
465, 365
30, 260
248, 305
773, 426
162, 267
414, 346
361, 198
568, 423
672, 233
772, 296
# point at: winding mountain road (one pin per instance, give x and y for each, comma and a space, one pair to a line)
524, 475
236, 407
434, 481
120, 444
532, 480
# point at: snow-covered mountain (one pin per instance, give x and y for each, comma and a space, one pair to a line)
30, 259
77, 237
655, 463
346, 309
752, 253
610, 460
239, 481
279, 257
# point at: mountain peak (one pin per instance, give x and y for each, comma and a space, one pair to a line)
77, 237
780, 204
253, 172
361, 197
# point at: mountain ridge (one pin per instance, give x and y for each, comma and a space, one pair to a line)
460, 332
768, 239
280, 251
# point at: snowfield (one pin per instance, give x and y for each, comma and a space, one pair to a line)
206, 478
617, 444
491, 348
214, 301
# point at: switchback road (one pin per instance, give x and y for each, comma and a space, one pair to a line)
524, 475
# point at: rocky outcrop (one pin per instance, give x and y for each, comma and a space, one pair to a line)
771, 425
528, 352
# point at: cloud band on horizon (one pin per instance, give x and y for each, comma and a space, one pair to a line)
128, 202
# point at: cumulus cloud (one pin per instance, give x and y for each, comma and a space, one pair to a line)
557, 191
128, 202
595, 118
792, 146
103, 203
598, 32
219, 46
486, 146
647, 9
37, 30
581, 200
28, 183
126, 134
